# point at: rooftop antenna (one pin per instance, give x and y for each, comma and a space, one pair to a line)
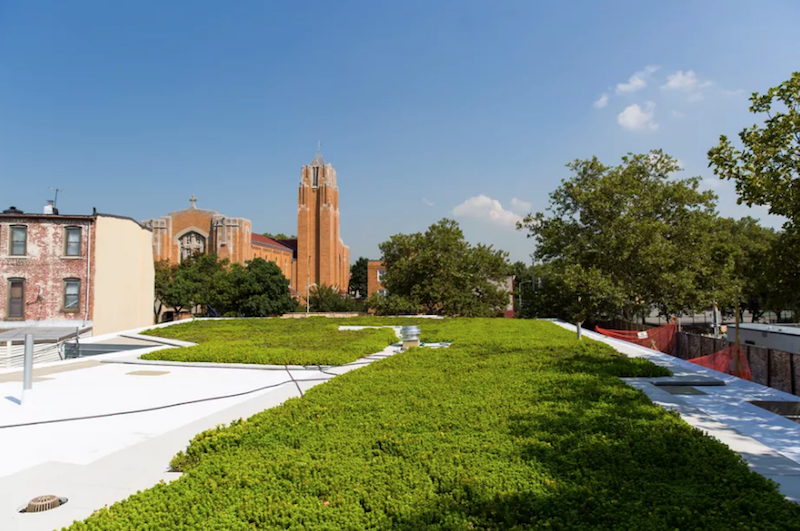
319, 146
55, 199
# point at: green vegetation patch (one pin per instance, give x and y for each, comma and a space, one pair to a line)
516, 426
314, 341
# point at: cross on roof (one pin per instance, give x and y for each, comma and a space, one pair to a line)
193, 200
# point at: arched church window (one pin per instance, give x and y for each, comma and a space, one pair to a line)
316, 177
192, 243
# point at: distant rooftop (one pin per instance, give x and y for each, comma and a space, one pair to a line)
784, 328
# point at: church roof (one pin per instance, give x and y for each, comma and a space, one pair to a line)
269, 242
318, 160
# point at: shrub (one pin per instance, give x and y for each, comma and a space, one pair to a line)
516, 426
312, 341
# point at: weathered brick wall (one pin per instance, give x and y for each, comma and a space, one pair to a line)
45, 268
373, 284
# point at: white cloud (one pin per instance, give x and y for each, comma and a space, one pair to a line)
688, 83
519, 206
681, 80
428, 203
485, 208
677, 114
637, 81
601, 102
637, 118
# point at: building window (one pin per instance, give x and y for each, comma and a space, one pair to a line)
72, 247
19, 240
381, 272
72, 291
316, 177
16, 299
382, 292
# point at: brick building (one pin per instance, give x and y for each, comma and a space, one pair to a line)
375, 271
75, 271
316, 256
322, 257
184, 232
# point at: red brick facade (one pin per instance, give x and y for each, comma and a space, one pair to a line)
375, 269
184, 232
44, 267
75, 271
322, 256
317, 256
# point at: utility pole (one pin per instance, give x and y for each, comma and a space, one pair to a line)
715, 318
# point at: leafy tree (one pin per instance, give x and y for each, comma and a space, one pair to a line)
179, 292
261, 289
277, 236
524, 292
164, 272
358, 277
624, 238
257, 289
766, 169
391, 304
443, 274
326, 298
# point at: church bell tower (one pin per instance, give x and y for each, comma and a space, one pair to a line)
322, 257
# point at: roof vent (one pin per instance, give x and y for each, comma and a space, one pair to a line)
12, 210
44, 503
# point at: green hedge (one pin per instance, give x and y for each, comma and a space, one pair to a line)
313, 341
516, 426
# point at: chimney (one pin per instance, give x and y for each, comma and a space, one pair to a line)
48, 208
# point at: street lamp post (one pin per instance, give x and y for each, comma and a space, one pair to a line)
308, 296
520, 292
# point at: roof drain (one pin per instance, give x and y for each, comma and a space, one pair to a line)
43, 503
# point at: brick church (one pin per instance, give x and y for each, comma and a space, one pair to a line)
316, 257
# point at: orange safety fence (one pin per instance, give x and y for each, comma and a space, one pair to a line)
725, 361
661, 338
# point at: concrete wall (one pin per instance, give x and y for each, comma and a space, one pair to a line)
123, 284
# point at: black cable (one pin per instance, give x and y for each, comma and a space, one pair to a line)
199, 400
295, 381
156, 408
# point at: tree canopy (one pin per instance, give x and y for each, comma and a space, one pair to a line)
766, 169
358, 277
439, 272
256, 289
277, 236
622, 239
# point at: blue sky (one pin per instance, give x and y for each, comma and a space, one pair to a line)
426, 109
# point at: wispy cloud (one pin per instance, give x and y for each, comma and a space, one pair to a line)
688, 83
428, 203
601, 102
636, 118
637, 81
484, 208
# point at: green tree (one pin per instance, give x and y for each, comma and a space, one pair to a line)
391, 304
439, 272
626, 238
277, 236
524, 292
260, 289
164, 272
328, 299
358, 277
766, 169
